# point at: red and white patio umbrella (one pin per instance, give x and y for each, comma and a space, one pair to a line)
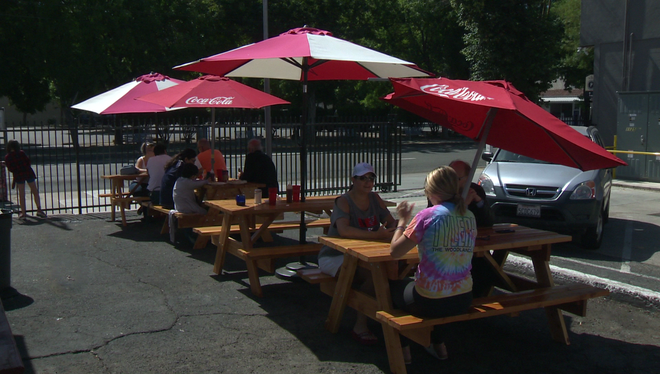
121, 99
305, 54
496, 113
211, 91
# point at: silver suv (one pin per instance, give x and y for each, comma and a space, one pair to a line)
547, 196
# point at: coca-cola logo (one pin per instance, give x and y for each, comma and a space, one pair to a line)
462, 93
219, 100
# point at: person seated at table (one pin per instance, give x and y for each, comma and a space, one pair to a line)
445, 237
483, 276
476, 197
358, 214
204, 159
185, 200
156, 170
172, 173
259, 167
139, 186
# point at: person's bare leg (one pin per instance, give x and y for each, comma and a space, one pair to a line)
35, 196
361, 328
21, 199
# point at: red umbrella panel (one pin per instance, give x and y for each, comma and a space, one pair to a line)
121, 99
498, 114
211, 91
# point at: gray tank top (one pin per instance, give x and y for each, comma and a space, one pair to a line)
369, 219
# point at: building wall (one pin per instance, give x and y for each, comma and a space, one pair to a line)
605, 25
13, 116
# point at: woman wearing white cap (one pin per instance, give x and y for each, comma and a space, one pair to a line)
358, 214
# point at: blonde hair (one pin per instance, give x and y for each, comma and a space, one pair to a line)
443, 183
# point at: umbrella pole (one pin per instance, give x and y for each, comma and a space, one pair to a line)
289, 271
485, 129
213, 142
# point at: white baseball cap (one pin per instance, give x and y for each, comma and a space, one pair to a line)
363, 168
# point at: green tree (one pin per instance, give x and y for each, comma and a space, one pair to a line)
23, 76
577, 62
515, 40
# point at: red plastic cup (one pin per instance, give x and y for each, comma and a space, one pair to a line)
222, 175
272, 196
296, 192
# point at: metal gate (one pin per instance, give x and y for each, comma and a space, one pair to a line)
70, 160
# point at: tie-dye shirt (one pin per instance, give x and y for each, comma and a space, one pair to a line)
445, 241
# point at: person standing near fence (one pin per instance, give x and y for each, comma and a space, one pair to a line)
19, 164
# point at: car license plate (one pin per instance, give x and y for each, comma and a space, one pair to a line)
529, 210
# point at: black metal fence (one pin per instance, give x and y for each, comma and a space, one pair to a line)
70, 159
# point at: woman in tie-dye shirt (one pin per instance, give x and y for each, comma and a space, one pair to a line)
444, 235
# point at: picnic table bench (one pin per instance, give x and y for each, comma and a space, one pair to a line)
520, 294
119, 198
243, 221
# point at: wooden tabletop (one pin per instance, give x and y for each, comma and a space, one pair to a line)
124, 177
312, 203
521, 237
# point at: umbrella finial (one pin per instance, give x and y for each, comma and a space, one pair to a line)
307, 30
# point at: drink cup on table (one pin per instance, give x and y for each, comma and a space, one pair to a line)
289, 193
272, 196
296, 192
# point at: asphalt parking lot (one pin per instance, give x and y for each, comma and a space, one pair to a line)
99, 298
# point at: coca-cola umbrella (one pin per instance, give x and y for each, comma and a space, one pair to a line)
305, 54
211, 91
121, 99
496, 113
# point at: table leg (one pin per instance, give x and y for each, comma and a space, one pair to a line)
342, 289
252, 267
381, 286
557, 324
122, 208
222, 244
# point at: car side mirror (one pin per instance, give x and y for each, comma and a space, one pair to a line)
487, 156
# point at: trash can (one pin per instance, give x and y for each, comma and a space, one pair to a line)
5, 250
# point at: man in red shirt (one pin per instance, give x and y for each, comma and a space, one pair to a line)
204, 158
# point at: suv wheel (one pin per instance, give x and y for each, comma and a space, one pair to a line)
593, 237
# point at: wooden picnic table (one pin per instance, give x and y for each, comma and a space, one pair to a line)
494, 246
119, 197
251, 229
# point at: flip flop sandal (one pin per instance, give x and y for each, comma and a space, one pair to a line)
365, 338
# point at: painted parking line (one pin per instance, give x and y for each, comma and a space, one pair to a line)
610, 284
627, 246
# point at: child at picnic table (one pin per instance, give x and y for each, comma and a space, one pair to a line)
185, 200
358, 214
18, 163
172, 173
445, 236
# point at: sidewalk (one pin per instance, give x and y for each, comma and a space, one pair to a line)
100, 298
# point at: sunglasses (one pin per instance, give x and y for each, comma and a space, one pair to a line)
366, 178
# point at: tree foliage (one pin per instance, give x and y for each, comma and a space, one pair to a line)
576, 62
515, 40
70, 50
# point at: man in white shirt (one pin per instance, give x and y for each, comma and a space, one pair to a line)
156, 170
